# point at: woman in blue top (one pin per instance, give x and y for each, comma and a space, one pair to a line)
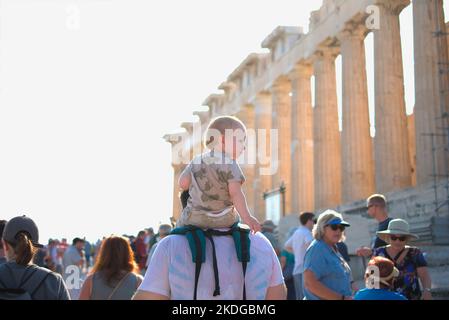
327, 276
380, 277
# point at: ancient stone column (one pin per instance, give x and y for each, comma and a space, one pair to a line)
248, 117
282, 121
392, 159
263, 114
429, 105
356, 142
302, 133
412, 145
326, 136
177, 207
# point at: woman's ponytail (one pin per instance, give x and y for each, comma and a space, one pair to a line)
23, 249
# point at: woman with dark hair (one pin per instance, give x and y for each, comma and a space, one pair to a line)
115, 273
20, 278
414, 280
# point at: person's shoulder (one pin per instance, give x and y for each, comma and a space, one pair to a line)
49, 275
396, 296
316, 247
413, 251
260, 241
170, 241
361, 294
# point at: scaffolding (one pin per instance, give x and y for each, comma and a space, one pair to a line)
441, 199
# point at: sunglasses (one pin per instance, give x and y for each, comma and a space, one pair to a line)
335, 227
400, 238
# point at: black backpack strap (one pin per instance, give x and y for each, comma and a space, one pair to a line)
198, 262
245, 259
215, 265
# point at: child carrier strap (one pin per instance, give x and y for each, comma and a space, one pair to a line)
197, 242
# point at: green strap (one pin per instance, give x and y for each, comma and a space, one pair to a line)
199, 233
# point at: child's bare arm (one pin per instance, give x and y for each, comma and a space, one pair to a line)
184, 180
239, 200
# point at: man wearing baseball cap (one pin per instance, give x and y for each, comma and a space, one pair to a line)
20, 278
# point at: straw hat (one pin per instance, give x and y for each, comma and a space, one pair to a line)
397, 227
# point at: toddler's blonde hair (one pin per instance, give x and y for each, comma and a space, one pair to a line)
220, 125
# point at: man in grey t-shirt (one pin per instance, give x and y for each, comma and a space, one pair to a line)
73, 262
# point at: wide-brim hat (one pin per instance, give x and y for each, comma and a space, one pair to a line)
397, 227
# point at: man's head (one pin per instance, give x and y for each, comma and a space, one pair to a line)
78, 243
150, 232
227, 134
377, 207
141, 234
307, 219
164, 230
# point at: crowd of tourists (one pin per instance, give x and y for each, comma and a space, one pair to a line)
218, 250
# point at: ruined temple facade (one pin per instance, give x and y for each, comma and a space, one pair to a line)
320, 166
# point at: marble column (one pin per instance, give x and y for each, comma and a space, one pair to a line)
326, 135
263, 183
177, 206
412, 145
391, 149
247, 116
429, 51
302, 133
356, 142
282, 121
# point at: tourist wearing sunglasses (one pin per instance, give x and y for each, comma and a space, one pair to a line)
327, 276
408, 260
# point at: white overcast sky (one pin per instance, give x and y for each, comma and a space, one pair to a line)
83, 108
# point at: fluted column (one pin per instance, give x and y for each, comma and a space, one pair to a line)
412, 145
247, 116
177, 206
282, 121
302, 133
356, 142
263, 183
429, 104
392, 160
327, 151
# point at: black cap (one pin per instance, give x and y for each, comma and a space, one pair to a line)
21, 224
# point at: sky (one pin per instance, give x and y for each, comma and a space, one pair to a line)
89, 88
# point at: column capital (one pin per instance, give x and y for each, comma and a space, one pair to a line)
281, 86
188, 126
393, 6
325, 52
262, 100
203, 115
353, 31
173, 138
300, 71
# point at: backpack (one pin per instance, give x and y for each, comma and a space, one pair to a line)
197, 243
27, 287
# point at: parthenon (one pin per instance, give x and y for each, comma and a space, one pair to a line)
320, 166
